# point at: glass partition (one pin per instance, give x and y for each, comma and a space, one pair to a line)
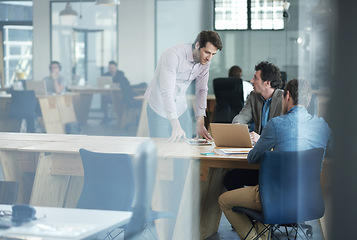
83, 39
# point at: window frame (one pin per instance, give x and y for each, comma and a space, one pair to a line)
249, 20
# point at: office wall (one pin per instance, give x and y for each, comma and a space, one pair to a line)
136, 38
41, 38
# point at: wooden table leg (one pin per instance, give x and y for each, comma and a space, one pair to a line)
14, 171
55, 190
210, 212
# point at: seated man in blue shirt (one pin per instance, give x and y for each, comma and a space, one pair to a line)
297, 130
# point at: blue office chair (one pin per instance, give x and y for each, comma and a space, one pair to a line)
145, 164
290, 190
23, 106
229, 99
108, 181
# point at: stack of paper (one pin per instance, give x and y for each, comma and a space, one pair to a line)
230, 151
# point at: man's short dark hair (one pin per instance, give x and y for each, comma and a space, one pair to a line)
208, 36
270, 72
112, 62
56, 62
300, 91
235, 71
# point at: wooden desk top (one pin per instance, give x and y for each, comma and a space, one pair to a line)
67, 143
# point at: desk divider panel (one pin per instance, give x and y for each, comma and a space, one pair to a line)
57, 111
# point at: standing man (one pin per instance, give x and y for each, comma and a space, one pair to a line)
297, 130
177, 68
55, 83
263, 104
119, 80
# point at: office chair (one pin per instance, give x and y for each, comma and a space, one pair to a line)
8, 192
229, 99
108, 181
290, 191
23, 106
145, 164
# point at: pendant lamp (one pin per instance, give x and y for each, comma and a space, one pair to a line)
68, 11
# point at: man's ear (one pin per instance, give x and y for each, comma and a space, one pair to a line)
267, 83
197, 45
287, 95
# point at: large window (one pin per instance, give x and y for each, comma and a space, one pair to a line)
248, 14
15, 42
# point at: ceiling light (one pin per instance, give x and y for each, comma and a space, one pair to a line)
107, 2
68, 11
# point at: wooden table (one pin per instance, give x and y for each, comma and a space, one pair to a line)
55, 162
67, 223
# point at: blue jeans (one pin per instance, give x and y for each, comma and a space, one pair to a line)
160, 127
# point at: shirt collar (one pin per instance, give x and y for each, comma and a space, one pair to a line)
189, 53
297, 108
269, 100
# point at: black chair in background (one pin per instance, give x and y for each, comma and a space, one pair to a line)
284, 79
229, 99
23, 106
8, 192
290, 191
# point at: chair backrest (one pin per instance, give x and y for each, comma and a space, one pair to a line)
145, 162
108, 181
289, 186
8, 192
23, 104
229, 98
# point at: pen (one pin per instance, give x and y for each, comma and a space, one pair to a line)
209, 153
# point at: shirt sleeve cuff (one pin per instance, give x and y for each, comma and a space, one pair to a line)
171, 116
200, 112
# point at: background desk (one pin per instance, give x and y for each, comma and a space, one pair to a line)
91, 222
57, 111
82, 102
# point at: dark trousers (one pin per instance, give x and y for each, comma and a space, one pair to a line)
238, 178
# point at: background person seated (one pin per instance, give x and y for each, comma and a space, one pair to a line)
119, 80
55, 83
236, 72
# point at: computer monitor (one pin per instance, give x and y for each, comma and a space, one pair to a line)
38, 86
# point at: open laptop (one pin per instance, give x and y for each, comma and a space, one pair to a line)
231, 135
38, 86
104, 81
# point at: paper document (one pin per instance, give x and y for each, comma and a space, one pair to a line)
199, 142
230, 151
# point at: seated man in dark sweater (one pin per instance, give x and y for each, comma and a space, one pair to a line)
119, 80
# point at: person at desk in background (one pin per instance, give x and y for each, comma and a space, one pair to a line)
236, 72
55, 83
297, 130
177, 68
119, 80
263, 104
